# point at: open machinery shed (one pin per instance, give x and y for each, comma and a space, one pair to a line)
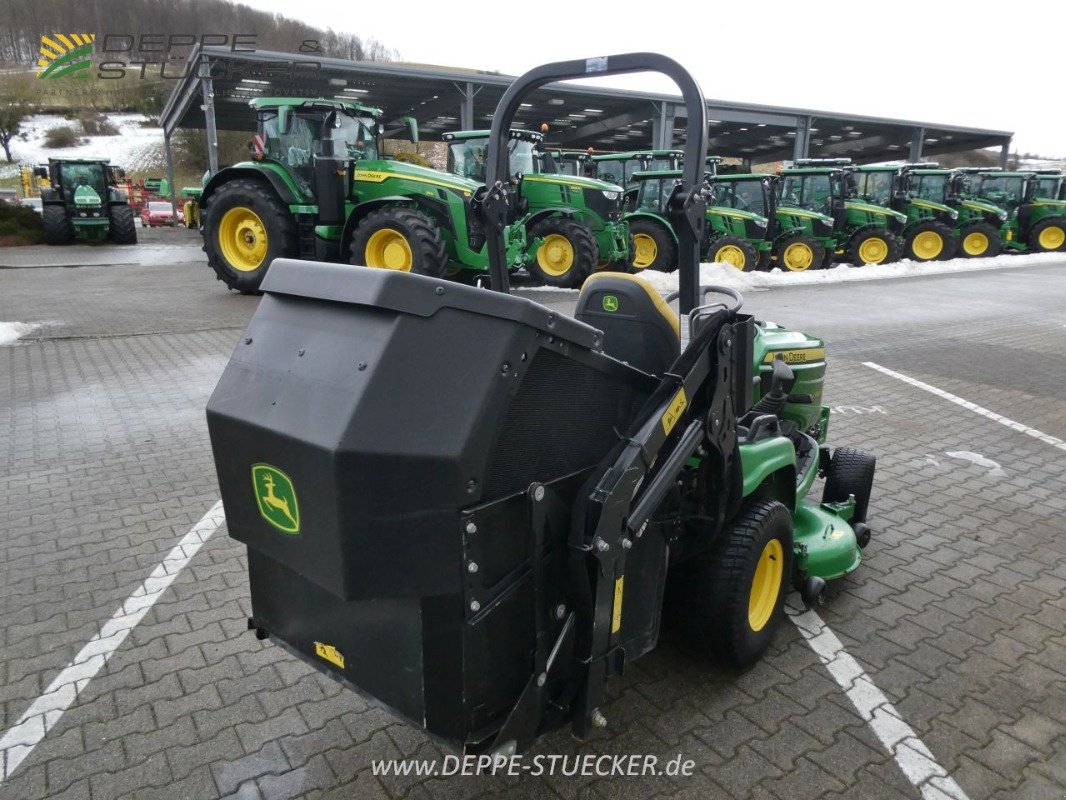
218, 83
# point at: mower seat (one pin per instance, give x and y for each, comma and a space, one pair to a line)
638, 326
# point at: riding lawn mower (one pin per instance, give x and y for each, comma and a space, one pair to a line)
468, 506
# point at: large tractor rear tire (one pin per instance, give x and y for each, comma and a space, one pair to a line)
1048, 236
735, 252
123, 225
57, 227
979, 240
876, 246
567, 253
737, 589
798, 253
247, 226
653, 247
929, 240
400, 239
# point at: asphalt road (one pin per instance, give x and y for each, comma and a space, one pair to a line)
956, 615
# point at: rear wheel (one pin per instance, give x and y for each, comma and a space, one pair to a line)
735, 252
737, 589
400, 239
799, 253
653, 247
979, 240
567, 253
850, 472
246, 226
876, 246
1048, 236
57, 227
123, 225
929, 241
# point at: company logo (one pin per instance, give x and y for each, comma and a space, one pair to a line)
610, 302
64, 54
276, 497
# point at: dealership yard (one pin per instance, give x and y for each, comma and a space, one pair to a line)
958, 615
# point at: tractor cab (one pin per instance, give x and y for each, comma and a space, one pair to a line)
818, 185
1036, 217
619, 167
1046, 184
467, 149
571, 162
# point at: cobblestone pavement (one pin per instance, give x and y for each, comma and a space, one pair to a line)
957, 614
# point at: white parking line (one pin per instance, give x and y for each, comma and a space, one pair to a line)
959, 401
20, 739
902, 743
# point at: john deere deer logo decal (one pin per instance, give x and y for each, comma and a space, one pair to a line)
65, 54
276, 497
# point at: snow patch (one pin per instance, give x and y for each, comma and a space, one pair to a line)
11, 332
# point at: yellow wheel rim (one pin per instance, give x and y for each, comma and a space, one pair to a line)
766, 585
927, 245
1052, 237
556, 255
644, 251
732, 255
974, 244
242, 238
874, 250
388, 249
797, 257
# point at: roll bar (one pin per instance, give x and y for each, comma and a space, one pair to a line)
493, 202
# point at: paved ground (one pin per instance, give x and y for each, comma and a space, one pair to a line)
957, 614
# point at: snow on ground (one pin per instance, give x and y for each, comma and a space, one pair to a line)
135, 149
11, 332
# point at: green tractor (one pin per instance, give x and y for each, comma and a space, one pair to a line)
618, 168
863, 232
569, 162
318, 188
449, 532
1037, 216
980, 226
82, 202
736, 232
573, 224
932, 231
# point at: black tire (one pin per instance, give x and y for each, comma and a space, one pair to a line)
57, 227
890, 245
979, 240
719, 583
426, 252
731, 250
1048, 236
563, 264
850, 472
798, 252
765, 259
275, 222
929, 240
659, 251
827, 259
123, 225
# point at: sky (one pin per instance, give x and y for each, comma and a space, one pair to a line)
981, 64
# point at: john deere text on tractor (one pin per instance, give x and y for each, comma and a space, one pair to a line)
572, 224
319, 188
82, 203
1037, 217
450, 530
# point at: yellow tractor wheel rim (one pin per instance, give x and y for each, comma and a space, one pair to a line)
927, 245
766, 585
388, 249
644, 251
732, 255
242, 237
1052, 237
874, 250
556, 255
975, 244
797, 257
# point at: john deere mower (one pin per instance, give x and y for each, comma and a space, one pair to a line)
573, 224
931, 232
863, 232
432, 519
1037, 217
319, 188
81, 202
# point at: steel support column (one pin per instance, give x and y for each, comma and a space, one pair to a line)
207, 90
466, 108
170, 177
917, 140
1004, 154
801, 147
